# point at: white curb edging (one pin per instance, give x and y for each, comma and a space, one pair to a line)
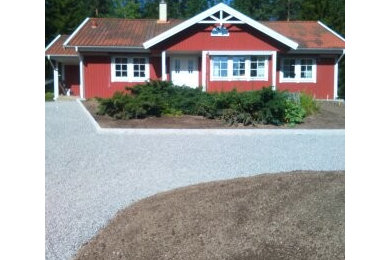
222, 132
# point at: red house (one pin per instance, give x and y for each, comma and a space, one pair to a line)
218, 49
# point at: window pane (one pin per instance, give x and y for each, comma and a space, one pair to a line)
220, 66
238, 66
136, 74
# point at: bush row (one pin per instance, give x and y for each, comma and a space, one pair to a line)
158, 98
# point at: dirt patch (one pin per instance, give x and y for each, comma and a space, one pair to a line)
330, 116
298, 215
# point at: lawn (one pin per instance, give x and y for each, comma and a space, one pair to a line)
298, 215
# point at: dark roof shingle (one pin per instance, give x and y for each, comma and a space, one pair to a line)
308, 34
57, 48
119, 32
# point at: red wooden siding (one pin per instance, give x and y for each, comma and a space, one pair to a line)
239, 85
324, 86
72, 79
97, 76
198, 38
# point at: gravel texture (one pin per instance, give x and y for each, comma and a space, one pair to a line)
91, 174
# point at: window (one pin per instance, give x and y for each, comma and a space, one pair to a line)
306, 68
288, 68
121, 67
190, 66
177, 66
139, 67
298, 70
220, 31
239, 68
258, 67
126, 69
220, 67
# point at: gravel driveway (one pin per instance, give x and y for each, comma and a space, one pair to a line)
92, 174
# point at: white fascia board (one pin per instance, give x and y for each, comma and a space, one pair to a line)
76, 31
330, 30
211, 11
52, 42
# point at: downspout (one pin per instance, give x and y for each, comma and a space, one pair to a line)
336, 75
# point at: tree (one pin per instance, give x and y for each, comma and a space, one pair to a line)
256, 9
193, 7
125, 9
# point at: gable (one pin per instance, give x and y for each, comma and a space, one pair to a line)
222, 14
199, 37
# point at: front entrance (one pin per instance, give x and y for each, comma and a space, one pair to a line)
184, 71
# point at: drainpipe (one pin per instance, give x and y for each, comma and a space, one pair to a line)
336, 75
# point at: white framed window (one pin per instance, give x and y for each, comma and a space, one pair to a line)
298, 70
120, 68
239, 66
258, 65
220, 67
230, 68
129, 69
139, 68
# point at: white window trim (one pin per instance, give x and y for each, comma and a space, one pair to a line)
130, 70
230, 76
297, 71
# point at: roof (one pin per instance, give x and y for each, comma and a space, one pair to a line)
119, 32
56, 48
308, 34
144, 33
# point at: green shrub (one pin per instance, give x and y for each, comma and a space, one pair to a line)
308, 104
294, 113
158, 98
49, 96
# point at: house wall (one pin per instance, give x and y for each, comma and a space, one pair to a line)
97, 76
72, 79
324, 86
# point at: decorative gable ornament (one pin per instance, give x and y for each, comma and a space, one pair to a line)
220, 31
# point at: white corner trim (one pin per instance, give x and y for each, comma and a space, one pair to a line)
330, 30
164, 65
274, 58
52, 42
76, 31
204, 64
220, 7
336, 76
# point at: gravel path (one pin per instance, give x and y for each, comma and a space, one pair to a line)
92, 174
